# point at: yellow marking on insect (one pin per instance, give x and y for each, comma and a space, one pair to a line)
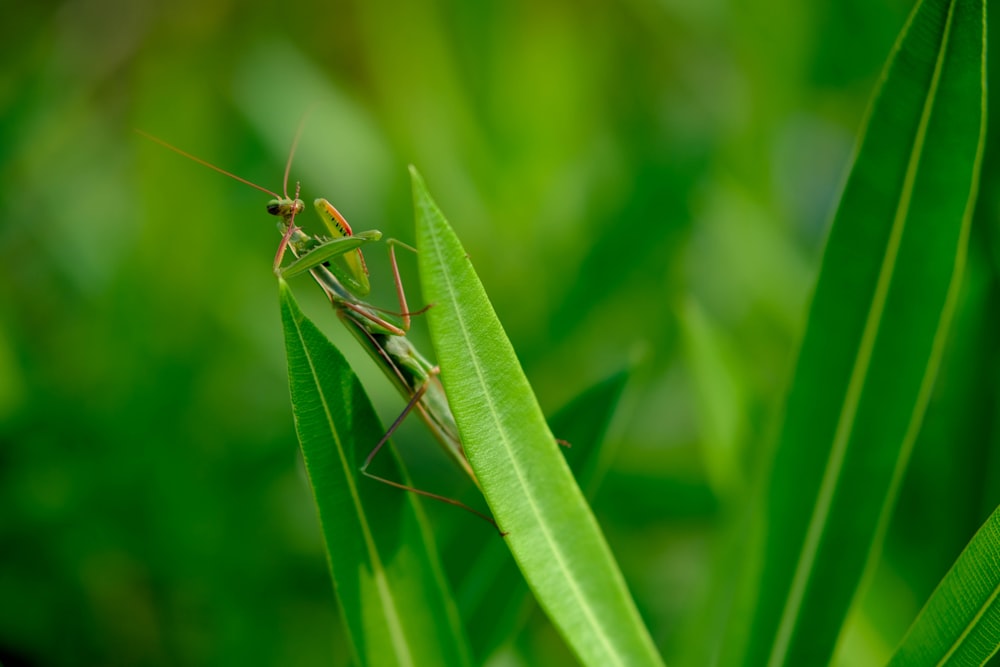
338, 227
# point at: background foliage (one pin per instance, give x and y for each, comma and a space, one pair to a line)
637, 183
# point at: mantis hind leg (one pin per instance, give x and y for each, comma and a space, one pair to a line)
410, 405
404, 310
434, 496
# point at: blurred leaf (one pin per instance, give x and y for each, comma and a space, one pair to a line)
527, 483
494, 597
960, 624
876, 330
946, 494
719, 399
583, 423
389, 582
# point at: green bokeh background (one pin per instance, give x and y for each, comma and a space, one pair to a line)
638, 183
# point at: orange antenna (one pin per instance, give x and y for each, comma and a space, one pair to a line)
295, 144
218, 169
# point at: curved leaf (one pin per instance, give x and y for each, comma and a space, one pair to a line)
388, 579
552, 533
876, 329
960, 624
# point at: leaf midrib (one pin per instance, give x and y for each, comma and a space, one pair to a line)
845, 424
972, 624
393, 622
515, 466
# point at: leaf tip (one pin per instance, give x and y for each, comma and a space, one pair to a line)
419, 187
415, 176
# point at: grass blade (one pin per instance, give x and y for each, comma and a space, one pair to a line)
960, 624
552, 533
388, 579
877, 326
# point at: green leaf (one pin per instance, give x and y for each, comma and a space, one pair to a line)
389, 582
877, 326
493, 597
551, 531
718, 398
960, 624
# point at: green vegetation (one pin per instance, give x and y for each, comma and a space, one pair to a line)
801, 424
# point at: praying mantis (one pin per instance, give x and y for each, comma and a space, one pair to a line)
337, 265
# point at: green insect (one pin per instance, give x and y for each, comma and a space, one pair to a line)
338, 266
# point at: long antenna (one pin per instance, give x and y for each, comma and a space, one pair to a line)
295, 144
219, 169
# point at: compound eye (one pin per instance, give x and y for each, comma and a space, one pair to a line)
274, 207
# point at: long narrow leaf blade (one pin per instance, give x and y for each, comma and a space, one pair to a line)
388, 579
875, 334
493, 596
960, 624
527, 483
